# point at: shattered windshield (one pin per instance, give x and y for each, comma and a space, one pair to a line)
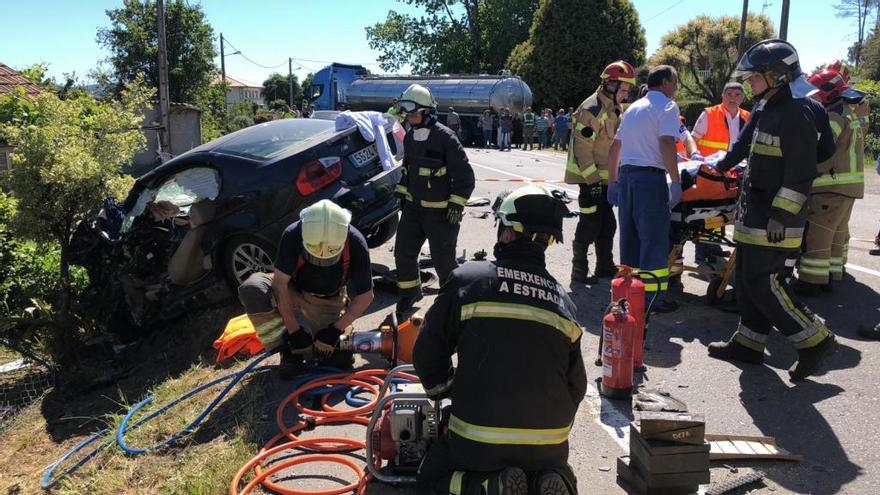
183, 189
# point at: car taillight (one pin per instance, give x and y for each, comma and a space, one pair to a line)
318, 174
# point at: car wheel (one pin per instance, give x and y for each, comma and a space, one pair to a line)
382, 233
244, 256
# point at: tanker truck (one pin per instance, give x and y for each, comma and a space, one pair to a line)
351, 86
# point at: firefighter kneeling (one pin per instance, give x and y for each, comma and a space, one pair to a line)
520, 375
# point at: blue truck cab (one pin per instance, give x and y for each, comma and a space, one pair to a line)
330, 85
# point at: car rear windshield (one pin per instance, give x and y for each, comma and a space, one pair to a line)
269, 140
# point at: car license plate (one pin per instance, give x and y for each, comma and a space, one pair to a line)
364, 156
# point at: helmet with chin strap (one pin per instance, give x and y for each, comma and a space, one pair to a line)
534, 211
778, 63
416, 97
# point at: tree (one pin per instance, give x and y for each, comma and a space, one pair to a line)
65, 162
861, 10
306, 86
277, 87
870, 56
133, 43
570, 42
705, 52
453, 36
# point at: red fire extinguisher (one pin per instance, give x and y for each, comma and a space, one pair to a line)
618, 329
626, 286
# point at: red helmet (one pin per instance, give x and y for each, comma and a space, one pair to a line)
830, 84
619, 71
841, 68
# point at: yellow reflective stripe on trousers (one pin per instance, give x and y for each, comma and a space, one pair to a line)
493, 309
750, 338
508, 436
408, 284
437, 172
434, 204
589, 210
403, 190
785, 301
457, 199
654, 284
455, 483
718, 145
603, 174
816, 262
766, 149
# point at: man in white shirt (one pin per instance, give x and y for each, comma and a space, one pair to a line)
644, 151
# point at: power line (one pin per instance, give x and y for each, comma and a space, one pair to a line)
226, 40
667, 9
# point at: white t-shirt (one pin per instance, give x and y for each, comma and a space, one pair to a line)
701, 127
642, 124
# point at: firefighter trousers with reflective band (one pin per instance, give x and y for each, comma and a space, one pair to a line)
826, 239
644, 219
596, 222
417, 225
444, 471
766, 301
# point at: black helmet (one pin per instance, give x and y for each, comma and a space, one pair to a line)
778, 61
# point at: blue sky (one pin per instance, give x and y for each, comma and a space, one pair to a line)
62, 33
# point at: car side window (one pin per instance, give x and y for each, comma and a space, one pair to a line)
190, 186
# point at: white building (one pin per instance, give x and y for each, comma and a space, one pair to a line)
239, 90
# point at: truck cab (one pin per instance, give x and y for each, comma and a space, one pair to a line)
330, 85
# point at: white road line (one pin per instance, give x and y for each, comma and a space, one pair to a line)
549, 158
862, 269
517, 176
609, 417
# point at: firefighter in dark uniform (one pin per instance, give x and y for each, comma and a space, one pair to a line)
520, 375
595, 124
436, 184
771, 214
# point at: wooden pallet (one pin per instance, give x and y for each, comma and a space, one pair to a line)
723, 447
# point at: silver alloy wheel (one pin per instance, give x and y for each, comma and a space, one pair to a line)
249, 258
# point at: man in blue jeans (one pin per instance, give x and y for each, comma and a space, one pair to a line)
644, 151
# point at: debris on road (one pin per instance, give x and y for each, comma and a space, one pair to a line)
752, 476
725, 447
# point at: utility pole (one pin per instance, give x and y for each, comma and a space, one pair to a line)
164, 104
783, 21
740, 48
290, 81
222, 59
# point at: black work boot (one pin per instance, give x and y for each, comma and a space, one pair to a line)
734, 351
551, 484
580, 267
870, 332
605, 267
509, 481
810, 360
807, 289
291, 364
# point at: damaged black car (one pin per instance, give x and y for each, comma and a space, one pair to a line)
200, 224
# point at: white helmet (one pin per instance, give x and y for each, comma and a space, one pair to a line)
416, 97
324, 231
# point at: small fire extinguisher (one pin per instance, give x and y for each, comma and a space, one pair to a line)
618, 330
629, 287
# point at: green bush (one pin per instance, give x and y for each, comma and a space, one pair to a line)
872, 141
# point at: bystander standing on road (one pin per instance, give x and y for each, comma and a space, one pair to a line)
560, 124
453, 122
486, 125
542, 125
528, 122
505, 127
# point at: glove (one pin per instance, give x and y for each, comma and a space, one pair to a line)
454, 213
613, 194
698, 157
299, 341
775, 231
327, 339
674, 194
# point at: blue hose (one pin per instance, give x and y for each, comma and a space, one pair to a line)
123, 428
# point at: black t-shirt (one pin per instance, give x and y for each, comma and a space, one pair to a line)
325, 280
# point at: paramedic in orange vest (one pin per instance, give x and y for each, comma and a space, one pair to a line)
322, 278
718, 126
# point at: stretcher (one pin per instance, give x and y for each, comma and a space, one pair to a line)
708, 205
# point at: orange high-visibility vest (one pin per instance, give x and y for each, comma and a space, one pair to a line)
717, 136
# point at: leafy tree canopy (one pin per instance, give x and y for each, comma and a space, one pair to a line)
570, 42
704, 50
133, 43
277, 87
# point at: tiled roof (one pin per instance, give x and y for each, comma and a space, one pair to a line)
236, 83
10, 79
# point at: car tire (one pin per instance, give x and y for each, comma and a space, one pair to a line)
245, 255
381, 234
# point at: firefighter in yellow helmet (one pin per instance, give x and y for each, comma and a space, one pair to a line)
594, 124
436, 183
320, 259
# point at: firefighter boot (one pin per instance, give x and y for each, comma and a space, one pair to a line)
555, 482
870, 332
580, 267
509, 481
605, 267
291, 364
734, 351
810, 360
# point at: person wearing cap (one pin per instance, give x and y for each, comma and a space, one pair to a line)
436, 183
520, 375
323, 278
840, 182
642, 155
595, 123
784, 148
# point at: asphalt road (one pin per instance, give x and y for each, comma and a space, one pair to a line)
830, 420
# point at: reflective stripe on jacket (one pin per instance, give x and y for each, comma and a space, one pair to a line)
717, 136
436, 170
844, 172
594, 125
